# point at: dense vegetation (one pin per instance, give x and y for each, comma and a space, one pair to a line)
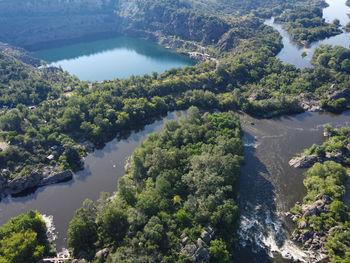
23, 239
334, 147
253, 81
306, 25
323, 212
22, 84
178, 184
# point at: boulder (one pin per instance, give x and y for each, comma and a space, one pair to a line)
302, 224
332, 229
305, 237
23, 182
295, 218
310, 210
335, 156
200, 243
304, 161
259, 95
324, 197
189, 250
205, 236
56, 177
103, 253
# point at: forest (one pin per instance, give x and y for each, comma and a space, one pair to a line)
306, 25
178, 185
323, 213
23, 239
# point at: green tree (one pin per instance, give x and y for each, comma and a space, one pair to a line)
82, 231
218, 251
112, 223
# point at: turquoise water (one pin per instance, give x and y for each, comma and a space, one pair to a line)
108, 59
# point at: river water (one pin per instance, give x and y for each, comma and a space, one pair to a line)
291, 52
118, 57
267, 188
102, 169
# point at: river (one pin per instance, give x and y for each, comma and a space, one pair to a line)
267, 188
291, 52
102, 169
118, 57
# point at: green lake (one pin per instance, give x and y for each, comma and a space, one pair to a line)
112, 58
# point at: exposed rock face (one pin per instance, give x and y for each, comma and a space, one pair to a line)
259, 95
19, 54
198, 252
52, 176
44, 21
336, 92
304, 161
103, 253
24, 182
313, 240
307, 161
232, 38
28, 23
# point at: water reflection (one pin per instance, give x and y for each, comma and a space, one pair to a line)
292, 51
113, 58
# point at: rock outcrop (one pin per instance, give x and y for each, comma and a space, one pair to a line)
198, 252
103, 253
335, 92
21, 183
304, 161
307, 161
313, 240
52, 176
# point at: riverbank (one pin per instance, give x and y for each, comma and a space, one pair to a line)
22, 183
321, 217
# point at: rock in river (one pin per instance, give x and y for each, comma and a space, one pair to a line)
23, 182
303, 161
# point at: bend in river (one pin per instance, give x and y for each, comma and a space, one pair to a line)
112, 58
102, 169
292, 51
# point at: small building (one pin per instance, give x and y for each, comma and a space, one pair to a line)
54, 147
50, 157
